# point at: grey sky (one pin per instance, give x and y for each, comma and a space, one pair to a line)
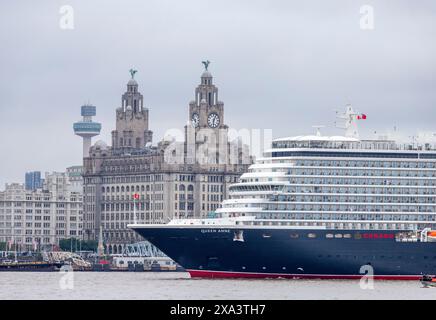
284, 65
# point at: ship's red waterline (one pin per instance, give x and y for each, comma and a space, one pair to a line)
252, 275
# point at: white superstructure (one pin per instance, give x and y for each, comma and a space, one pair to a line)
339, 182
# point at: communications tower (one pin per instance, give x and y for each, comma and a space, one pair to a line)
87, 128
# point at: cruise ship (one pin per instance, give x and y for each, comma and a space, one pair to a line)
317, 207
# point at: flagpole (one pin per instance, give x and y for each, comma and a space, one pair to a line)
134, 210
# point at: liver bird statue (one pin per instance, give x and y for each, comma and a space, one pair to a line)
132, 72
206, 64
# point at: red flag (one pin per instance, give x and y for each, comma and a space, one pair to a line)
136, 196
363, 116
358, 118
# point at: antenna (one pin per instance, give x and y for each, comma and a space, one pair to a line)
349, 117
318, 127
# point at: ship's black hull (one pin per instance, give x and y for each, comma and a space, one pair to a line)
290, 253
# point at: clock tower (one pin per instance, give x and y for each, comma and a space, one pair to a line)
206, 133
206, 111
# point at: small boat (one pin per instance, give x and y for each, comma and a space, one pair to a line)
428, 281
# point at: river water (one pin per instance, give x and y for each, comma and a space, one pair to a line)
169, 286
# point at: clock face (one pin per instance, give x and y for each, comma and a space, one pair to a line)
195, 120
213, 120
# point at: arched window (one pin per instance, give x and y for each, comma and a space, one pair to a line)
190, 187
122, 188
127, 189
182, 187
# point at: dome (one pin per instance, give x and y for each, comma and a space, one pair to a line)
100, 144
206, 74
169, 138
132, 82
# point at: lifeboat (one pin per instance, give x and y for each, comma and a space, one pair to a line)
431, 236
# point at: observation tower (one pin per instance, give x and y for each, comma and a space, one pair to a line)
87, 128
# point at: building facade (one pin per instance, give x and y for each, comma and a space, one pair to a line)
74, 174
33, 180
31, 219
171, 179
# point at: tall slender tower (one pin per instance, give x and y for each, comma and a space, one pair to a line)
100, 247
207, 136
87, 128
132, 120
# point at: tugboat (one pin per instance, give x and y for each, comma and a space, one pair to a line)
428, 281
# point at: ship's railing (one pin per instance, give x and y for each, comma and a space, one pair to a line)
354, 145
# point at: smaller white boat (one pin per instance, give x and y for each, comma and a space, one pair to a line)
428, 281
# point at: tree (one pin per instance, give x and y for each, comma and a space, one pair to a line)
70, 244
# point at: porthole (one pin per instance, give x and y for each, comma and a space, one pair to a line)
329, 235
338, 236
294, 235
311, 235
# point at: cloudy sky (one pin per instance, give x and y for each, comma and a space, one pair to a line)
285, 65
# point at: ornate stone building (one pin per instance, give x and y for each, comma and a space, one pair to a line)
132, 120
172, 179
